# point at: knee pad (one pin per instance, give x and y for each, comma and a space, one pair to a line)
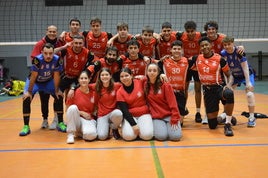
251, 98
228, 95
26, 106
213, 123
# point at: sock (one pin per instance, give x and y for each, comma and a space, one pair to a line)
251, 116
228, 119
223, 115
198, 110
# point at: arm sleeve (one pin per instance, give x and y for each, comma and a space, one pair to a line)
126, 114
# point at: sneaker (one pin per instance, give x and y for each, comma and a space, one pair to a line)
252, 123
25, 130
44, 124
116, 134
198, 118
54, 124
70, 138
61, 127
222, 121
205, 120
228, 130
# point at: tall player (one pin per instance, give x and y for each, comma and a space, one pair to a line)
96, 39
190, 38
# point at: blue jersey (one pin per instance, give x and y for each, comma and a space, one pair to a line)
46, 69
234, 61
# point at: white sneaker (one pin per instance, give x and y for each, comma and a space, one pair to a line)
204, 120
44, 124
54, 124
70, 138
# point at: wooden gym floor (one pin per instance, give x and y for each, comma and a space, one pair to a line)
200, 153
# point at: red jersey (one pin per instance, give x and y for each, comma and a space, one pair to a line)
84, 101
209, 69
68, 38
97, 45
122, 47
39, 45
190, 47
107, 100
114, 67
75, 63
163, 103
137, 66
164, 47
135, 100
217, 45
147, 50
176, 72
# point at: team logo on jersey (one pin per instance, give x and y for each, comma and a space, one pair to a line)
214, 63
42, 67
103, 39
232, 64
92, 99
113, 93
47, 66
76, 57
159, 91
35, 61
139, 94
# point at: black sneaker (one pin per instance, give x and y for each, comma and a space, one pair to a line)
228, 130
116, 134
198, 118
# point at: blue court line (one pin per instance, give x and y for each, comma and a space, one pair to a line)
134, 147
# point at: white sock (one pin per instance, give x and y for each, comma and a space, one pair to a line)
228, 119
223, 115
251, 116
198, 110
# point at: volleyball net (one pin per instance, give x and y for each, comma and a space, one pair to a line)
27, 20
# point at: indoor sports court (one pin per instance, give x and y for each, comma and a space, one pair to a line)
200, 153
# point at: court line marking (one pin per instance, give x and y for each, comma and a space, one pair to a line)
157, 162
133, 147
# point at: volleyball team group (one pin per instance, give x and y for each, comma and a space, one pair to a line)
135, 86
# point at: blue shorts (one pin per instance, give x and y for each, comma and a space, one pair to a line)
47, 87
240, 81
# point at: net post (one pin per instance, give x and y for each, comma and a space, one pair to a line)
260, 65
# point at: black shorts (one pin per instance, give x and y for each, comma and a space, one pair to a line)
181, 102
65, 83
212, 97
192, 74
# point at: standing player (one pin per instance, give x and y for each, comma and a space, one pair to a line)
147, 42
121, 38
165, 41
242, 72
96, 40
211, 29
175, 68
190, 38
45, 76
210, 67
74, 26
51, 37
132, 59
76, 59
